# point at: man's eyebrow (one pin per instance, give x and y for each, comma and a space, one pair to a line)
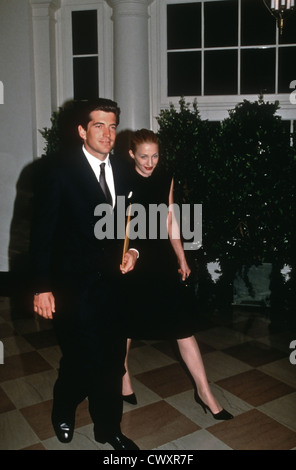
103, 123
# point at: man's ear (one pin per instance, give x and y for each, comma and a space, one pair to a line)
81, 132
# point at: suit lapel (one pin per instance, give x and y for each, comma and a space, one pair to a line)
87, 180
119, 175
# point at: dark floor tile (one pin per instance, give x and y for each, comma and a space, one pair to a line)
170, 348
5, 314
137, 344
254, 430
5, 403
82, 416
253, 327
39, 418
166, 381
6, 330
154, 425
255, 354
41, 339
255, 387
22, 365
38, 446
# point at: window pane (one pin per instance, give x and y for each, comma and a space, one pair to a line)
289, 32
258, 71
184, 73
220, 72
258, 25
84, 32
287, 68
86, 82
221, 23
184, 26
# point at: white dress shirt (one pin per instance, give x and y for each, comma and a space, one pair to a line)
95, 164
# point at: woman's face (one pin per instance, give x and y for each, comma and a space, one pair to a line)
146, 158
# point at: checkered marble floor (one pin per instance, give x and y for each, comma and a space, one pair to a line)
248, 368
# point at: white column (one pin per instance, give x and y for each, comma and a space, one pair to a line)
43, 15
131, 62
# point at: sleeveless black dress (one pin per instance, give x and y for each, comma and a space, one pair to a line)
159, 305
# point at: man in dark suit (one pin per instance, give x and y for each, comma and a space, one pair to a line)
76, 274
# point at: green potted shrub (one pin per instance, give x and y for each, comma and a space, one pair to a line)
188, 147
259, 157
242, 172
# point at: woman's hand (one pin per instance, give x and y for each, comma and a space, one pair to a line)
44, 304
184, 269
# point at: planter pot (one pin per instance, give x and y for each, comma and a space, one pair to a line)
259, 280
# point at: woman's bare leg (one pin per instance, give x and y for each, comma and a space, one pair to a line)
190, 353
127, 388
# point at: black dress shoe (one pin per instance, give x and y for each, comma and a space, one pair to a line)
64, 430
132, 399
118, 442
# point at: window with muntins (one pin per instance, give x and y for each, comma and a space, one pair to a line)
85, 54
229, 47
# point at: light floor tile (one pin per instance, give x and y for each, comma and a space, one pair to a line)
31, 389
282, 370
146, 358
185, 403
83, 439
199, 440
219, 365
240, 379
15, 345
283, 410
52, 355
12, 440
145, 396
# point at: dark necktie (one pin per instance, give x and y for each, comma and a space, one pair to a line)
104, 185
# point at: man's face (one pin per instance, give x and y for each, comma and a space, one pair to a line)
99, 137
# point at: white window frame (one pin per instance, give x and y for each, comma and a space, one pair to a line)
65, 51
211, 107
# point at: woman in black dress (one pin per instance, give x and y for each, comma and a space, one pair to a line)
161, 307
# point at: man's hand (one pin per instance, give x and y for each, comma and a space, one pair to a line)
44, 304
129, 261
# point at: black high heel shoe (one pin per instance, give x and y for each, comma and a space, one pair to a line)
222, 415
132, 399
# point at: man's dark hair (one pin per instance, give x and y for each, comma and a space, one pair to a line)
99, 104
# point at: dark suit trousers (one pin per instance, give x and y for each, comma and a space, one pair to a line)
89, 331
